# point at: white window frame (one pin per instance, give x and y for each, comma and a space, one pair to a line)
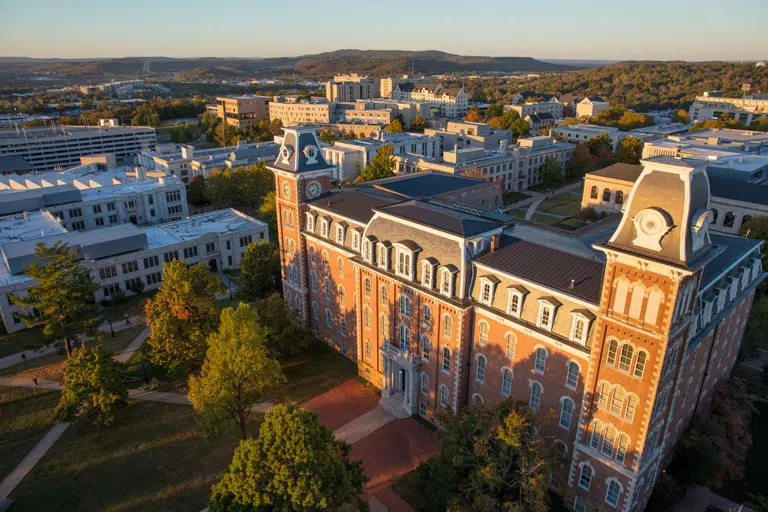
568, 381
446, 282
614, 503
512, 292
540, 350
480, 369
506, 390
445, 396
356, 240
310, 222
340, 234
577, 317
325, 228
490, 286
427, 274
407, 257
589, 480
382, 256
545, 306
563, 400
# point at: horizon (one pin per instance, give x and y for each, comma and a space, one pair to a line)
597, 30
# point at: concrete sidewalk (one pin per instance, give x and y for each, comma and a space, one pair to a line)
363, 425
32, 458
126, 354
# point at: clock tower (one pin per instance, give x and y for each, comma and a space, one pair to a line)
301, 175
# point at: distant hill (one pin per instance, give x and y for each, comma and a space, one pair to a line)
372, 62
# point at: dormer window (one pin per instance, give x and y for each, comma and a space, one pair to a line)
546, 317
745, 272
310, 222
580, 323
447, 280
709, 304
722, 292
477, 244
757, 266
341, 229
325, 227
487, 289
515, 300
356, 239
406, 255
734, 285
369, 248
382, 255
428, 273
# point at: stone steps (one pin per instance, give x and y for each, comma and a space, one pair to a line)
394, 405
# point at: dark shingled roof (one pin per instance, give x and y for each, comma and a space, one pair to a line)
548, 267
441, 218
623, 172
425, 184
353, 203
738, 190
13, 163
735, 247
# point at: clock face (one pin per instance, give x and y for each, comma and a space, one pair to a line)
313, 190
287, 190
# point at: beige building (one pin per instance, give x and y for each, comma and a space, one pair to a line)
387, 85
293, 111
590, 106
351, 88
552, 107
581, 133
447, 102
366, 112
242, 111
712, 105
407, 110
464, 134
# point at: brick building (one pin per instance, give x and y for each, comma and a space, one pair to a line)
619, 336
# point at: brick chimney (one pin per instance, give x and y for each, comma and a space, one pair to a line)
495, 239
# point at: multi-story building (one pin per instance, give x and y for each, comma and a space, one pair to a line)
242, 111
582, 133
522, 97
122, 258
447, 102
366, 112
552, 107
47, 149
407, 111
345, 88
713, 105
465, 134
443, 308
402, 144
293, 111
387, 85
540, 122
591, 106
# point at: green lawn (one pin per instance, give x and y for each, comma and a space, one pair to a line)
20, 341
25, 417
561, 204
116, 311
545, 219
49, 366
513, 197
519, 213
151, 459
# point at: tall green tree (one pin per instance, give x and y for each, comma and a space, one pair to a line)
681, 116
295, 464
552, 171
181, 315
382, 165
259, 271
63, 295
197, 191
283, 337
395, 126
237, 372
92, 387
268, 213
630, 150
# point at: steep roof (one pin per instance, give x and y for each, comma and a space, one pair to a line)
739, 190
620, 171
548, 267
734, 248
441, 218
354, 203
424, 184
13, 163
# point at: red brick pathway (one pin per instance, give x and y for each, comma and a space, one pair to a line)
342, 404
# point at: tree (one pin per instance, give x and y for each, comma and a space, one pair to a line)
268, 213
520, 128
491, 458
237, 371
395, 126
552, 171
92, 387
63, 295
295, 464
418, 124
601, 149
283, 337
382, 165
630, 150
757, 228
473, 115
475, 172
197, 191
182, 314
259, 271
581, 162
681, 116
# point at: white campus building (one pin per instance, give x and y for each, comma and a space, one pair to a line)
123, 257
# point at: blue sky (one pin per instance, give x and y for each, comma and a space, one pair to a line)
594, 29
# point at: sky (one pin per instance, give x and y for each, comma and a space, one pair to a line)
554, 29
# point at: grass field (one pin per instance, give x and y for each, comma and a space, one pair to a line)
513, 197
20, 341
151, 459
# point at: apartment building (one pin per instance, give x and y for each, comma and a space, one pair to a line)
591, 106
346, 88
582, 133
47, 149
124, 257
242, 111
387, 85
465, 134
402, 143
294, 111
552, 107
618, 337
366, 112
407, 111
447, 102
713, 105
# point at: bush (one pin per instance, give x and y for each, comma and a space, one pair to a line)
589, 214
666, 494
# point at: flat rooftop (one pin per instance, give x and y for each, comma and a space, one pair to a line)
68, 132
192, 228
394, 138
32, 226
133, 187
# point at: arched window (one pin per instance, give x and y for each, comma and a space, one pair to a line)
368, 350
607, 195
510, 344
482, 337
298, 305
405, 335
728, 219
384, 292
613, 493
617, 399
572, 376
424, 384
480, 373
714, 216
597, 428
629, 411
613, 348
652, 308
745, 219
447, 326
625, 358
343, 325
620, 296
477, 400
506, 382
367, 288
446, 363
405, 306
609, 441
426, 314
311, 254
585, 478
443, 396
313, 278
327, 287
315, 311
642, 356
566, 412
340, 263
621, 448
535, 399
328, 318
426, 347
541, 360
636, 301
367, 317
593, 193
341, 294
326, 265
383, 327
619, 199
604, 391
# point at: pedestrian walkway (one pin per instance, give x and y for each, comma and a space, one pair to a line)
361, 427
126, 354
32, 458
701, 499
